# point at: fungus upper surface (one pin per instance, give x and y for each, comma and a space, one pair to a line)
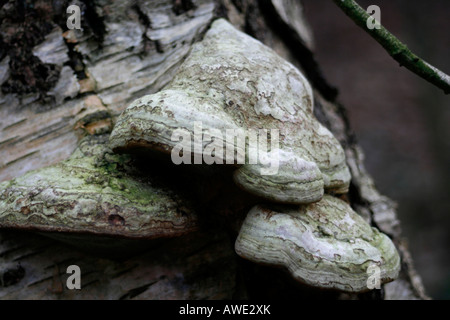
232, 81
324, 244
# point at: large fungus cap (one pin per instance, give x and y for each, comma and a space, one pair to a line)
232, 81
324, 244
94, 192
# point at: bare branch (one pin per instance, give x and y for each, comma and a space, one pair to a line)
399, 51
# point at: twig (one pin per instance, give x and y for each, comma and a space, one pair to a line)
395, 47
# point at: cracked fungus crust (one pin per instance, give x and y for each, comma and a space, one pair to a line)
232, 81
94, 192
325, 244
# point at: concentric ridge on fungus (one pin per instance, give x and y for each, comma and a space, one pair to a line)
94, 192
232, 81
324, 244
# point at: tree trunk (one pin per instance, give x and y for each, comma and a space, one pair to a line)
58, 85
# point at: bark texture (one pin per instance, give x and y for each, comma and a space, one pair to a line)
59, 85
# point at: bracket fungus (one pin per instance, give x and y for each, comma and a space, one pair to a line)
94, 192
324, 244
231, 81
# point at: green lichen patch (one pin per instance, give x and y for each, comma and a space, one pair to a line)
95, 192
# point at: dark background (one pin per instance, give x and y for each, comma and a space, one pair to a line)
401, 121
